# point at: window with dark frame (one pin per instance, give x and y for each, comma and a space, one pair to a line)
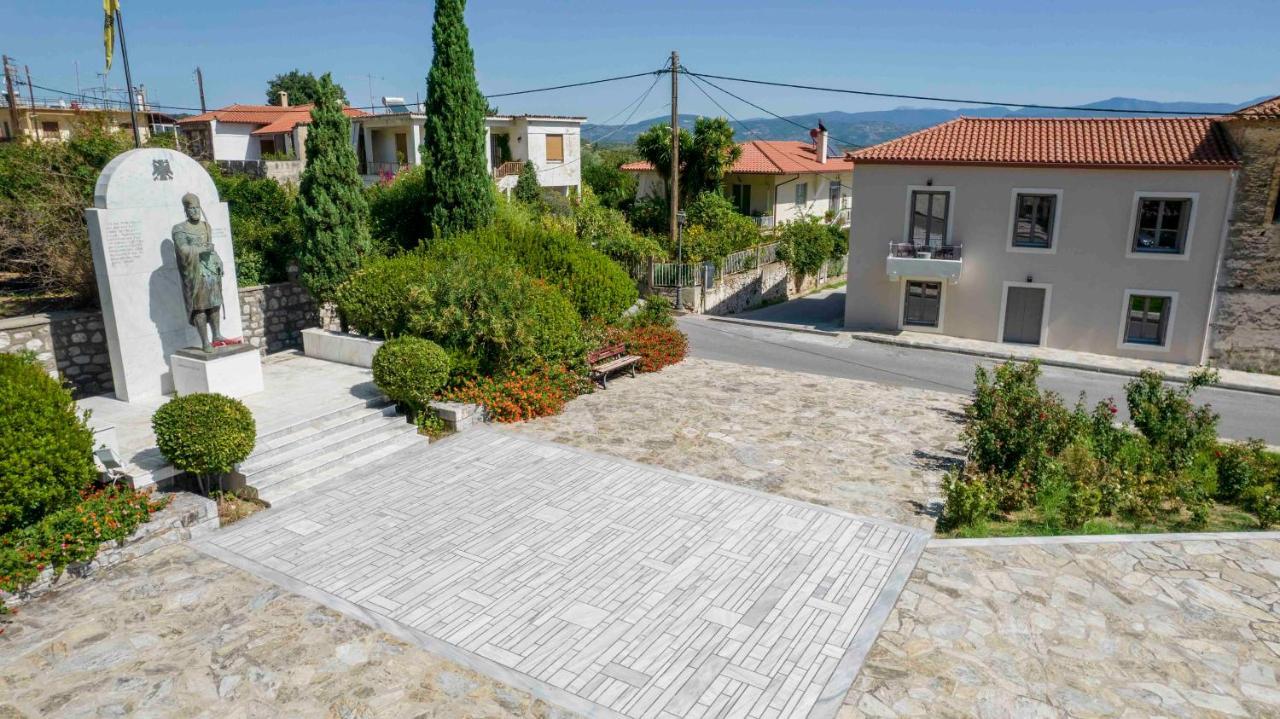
555, 148
802, 193
834, 194
929, 217
48, 126
1147, 319
1162, 225
1033, 220
267, 146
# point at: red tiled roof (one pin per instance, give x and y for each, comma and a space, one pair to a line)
1266, 108
1133, 143
273, 119
772, 157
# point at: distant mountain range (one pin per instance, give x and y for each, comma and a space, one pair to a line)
869, 128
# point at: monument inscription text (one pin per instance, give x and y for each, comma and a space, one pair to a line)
123, 242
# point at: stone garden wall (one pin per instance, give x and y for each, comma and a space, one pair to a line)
1246, 322
74, 344
746, 290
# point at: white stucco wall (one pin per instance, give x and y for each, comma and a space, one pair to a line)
233, 141
530, 143
817, 201
1089, 268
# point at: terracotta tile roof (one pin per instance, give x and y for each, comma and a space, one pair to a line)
273, 119
1163, 142
1266, 108
773, 157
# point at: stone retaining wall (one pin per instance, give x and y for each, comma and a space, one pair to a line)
746, 290
74, 344
70, 343
187, 516
1246, 323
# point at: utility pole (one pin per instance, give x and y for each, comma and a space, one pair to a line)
12, 98
674, 199
31, 93
200, 84
128, 81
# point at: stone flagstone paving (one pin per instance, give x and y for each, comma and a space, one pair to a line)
607, 587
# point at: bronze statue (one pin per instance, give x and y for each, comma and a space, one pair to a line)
201, 271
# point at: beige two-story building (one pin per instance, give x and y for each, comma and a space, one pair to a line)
1096, 235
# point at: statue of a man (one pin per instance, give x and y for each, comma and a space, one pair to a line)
201, 271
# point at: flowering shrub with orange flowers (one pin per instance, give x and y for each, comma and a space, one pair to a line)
71, 535
657, 346
516, 396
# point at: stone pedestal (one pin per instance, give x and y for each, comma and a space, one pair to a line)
233, 370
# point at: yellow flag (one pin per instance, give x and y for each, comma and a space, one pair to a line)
109, 8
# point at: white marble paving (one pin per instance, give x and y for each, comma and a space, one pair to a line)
625, 589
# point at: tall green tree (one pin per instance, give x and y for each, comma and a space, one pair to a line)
705, 155
331, 201
303, 88
459, 193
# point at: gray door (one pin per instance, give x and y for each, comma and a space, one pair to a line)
921, 303
1023, 314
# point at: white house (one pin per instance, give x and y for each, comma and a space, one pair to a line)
389, 142
776, 181
249, 133
1097, 235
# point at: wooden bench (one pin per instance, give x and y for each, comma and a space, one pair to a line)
608, 360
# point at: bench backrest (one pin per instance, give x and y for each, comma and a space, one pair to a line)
605, 353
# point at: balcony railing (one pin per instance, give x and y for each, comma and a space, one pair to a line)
508, 168
924, 252
765, 222
907, 259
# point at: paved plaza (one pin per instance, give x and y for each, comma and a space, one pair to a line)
866, 448
1082, 627
603, 586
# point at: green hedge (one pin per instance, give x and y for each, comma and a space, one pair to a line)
375, 300
597, 286
46, 446
203, 433
410, 371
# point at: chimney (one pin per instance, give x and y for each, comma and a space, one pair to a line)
284, 99
821, 147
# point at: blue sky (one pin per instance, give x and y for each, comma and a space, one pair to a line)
1030, 51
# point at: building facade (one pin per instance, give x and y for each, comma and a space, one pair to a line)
251, 133
1096, 235
776, 181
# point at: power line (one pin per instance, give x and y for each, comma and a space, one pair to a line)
698, 84
662, 71
637, 103
869, 93
695, 76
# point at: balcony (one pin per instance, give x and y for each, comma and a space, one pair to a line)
506, 169
927, 261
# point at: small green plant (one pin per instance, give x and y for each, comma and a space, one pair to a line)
655, 312
205, 434
1176, 429
47, 455
528, 190
968, 501
411, 371
430, 424
1264, 501
1240, 466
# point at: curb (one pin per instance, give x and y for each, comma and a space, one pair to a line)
773, 325
991, 354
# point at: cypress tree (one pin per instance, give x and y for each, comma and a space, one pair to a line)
527, 189
459, 193
331, 202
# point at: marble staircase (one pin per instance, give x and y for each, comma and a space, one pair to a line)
302, 455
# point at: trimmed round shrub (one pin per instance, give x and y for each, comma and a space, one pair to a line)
204, 433
46, 446
410, 370
375, 300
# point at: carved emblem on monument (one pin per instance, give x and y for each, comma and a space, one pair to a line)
161, 171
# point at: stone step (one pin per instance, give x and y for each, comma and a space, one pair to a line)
280, 436
329, 455
305, 432
357, 463
320, 440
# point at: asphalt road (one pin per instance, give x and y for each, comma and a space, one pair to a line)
1243, 414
